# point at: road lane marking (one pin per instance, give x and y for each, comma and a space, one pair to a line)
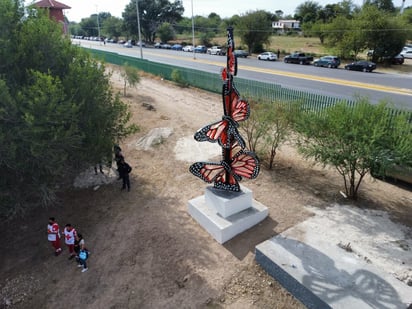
335, 81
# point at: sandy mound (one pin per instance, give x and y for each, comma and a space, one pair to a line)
155, 137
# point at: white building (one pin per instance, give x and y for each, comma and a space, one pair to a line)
284, 25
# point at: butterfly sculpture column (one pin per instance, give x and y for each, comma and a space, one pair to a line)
227, 208
236, 162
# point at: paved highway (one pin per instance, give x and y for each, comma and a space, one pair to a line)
378, 85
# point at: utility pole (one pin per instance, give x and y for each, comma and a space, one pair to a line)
98, 25
138, 29
193, 34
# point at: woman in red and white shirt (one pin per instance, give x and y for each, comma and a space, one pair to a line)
53, 235
70, 235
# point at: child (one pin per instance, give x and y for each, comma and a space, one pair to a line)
78, 245
83, 256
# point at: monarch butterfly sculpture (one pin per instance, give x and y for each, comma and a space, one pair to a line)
237, 162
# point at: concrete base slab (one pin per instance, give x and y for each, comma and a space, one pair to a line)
228, 203
322, 275
222, 229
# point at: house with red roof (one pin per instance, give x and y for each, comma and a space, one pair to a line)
55, 10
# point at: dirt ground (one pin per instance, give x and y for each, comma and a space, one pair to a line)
146, 251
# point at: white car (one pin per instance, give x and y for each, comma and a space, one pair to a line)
406, 52
267, 56
188, 48
128, 44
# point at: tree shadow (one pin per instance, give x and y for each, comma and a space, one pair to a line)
324, 283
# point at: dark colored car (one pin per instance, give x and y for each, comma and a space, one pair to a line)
200, 49
240, 53
177, 47
398, 59
362, 65
327, 61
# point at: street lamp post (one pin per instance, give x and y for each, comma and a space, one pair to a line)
98, 24
193, 33
138, 29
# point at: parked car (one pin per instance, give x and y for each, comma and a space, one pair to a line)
200, 49
407, 53
177, 47
240, 53
327, 61
166, 46
158, 45
300, 58
267, 56
398, 59
188, 48
143, 44
216, 50
362, 65
128, 44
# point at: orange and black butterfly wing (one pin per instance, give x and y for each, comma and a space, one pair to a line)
228, 181
234, 106
213, 132
207, 171
225, 132
245, 164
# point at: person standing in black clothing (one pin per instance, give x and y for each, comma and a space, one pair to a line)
118, 156
124, 171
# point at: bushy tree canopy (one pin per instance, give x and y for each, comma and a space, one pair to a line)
57, 109
355, 139
153, 13
255, 29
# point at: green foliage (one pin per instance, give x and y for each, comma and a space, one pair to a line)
268, 126
178, 78
152, 15
382, 5
130, 76
57, 110
254, 28
112, 27
353, 139
166, 32
383, 32
308, 11
206, 38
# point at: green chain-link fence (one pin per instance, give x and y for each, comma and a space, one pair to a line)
251, 89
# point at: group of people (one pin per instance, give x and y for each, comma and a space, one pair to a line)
123, 168
74, 242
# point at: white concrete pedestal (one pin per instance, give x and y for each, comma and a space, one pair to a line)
225, 214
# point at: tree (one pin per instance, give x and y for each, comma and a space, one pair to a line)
89, 26
165, 32
308, 12
382, 5
130, 76
268, 127
383, 32
353, 139
153, 14
345, 36
255, 29
112, 27
57, 109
